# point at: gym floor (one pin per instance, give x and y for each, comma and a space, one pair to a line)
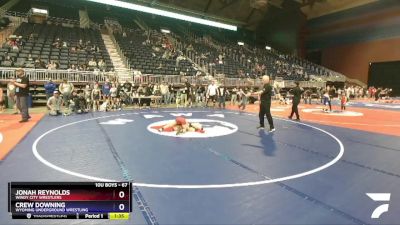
316, 171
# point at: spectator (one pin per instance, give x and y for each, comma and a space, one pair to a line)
234, 96
106, 89
1, 100
72, 67
66, 88
87, 93
22, 92
52, 65
307, 96
92, 64
8, 61
327, 101
39, 64
112, 75
178, 59
102, 65
378, 93
80, 104
145, 91
96, 71
57, 43
244, 95
343, 102
54, 104
96, 96
113, 93
164, 92
11, 97
50, 87
171, 93
127, 87
105, 106
190, 48
81, 46
30, 58
94, 49
32, 37
332, 92
185, 94
14, 45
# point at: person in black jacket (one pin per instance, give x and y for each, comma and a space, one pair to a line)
296, 92
265, 104
22, 92
222, 92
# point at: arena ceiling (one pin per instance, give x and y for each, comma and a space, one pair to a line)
249, 13
316, 8
244, 13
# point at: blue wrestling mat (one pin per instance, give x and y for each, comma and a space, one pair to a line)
230, 174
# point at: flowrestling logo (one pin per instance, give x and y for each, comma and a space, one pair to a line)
379, 197
118, 121
211, 128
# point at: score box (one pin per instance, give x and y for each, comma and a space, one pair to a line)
69, 198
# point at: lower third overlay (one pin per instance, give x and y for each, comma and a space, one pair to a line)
70, 200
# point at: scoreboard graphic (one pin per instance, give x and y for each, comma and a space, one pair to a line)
69, 200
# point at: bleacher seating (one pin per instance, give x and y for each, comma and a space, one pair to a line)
38, 40
145, 58
238, 61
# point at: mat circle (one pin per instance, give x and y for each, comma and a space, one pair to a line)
191, 186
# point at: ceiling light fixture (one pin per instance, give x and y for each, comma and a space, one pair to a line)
160, 12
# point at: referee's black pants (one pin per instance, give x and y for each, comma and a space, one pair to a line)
295, 110
265, 110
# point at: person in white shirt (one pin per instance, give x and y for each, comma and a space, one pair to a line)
92, 64
178, 59
102, 64
212, 93
54, 104
66, 89
105, 106
164, 89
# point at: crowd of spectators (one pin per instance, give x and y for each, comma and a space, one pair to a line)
65, 98
16, 44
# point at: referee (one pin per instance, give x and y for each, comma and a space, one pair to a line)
265, 104
296, 92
